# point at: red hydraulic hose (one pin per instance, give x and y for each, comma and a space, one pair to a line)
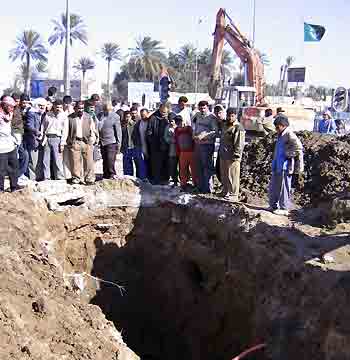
250, 350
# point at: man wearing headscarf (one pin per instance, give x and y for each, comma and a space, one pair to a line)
287, 160
8, 144
32, 138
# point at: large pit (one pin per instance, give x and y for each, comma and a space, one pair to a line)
208, 280
203, 279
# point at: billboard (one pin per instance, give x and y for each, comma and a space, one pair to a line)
296, 75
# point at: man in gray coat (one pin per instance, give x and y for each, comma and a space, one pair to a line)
110, 140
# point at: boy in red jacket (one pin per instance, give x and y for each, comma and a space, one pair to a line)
185, 151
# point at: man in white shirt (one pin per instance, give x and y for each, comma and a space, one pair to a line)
53, 127
183, 110
80, 136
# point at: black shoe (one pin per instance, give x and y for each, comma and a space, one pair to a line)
17, 188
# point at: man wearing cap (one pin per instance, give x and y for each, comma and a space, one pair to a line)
327, 124
8, 144
32, 138
287, 160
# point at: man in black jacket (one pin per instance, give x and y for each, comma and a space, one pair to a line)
158, 148
132, 148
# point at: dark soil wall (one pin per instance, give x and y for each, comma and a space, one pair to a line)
203, 286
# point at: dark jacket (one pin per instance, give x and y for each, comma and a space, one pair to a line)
155, 133
110, 130
32, 133
232, 142
131, 136
18, 120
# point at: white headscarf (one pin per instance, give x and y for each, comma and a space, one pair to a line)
39, 101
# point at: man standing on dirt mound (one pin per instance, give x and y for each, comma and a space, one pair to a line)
287, 160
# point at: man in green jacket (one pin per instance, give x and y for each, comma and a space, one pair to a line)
230, 152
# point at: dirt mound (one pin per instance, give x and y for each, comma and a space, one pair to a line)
327, 168
41, 316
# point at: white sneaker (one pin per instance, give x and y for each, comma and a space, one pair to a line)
23, 180
281, 212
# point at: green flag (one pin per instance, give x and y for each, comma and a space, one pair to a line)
313, 32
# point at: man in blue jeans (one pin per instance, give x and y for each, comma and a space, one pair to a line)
287, 160
132, 148
205, 129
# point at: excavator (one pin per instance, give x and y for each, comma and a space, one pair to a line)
249, 100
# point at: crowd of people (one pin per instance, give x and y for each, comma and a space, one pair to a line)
62, 140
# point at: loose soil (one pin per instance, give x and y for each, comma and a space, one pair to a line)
327, 168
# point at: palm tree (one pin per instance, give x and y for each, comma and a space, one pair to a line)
29, 46
146, 59
110, 52
263, 58
84, 64
74, 29
187, 56
32, 72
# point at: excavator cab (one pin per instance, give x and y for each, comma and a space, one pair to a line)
243, 99
238, 97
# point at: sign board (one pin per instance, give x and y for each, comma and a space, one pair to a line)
296, 75
141, 93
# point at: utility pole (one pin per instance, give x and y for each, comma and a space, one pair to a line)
196, 77
254, 13
66, 75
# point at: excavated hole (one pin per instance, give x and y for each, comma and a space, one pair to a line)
199, 287
175, 304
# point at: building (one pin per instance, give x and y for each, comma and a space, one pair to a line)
39, 88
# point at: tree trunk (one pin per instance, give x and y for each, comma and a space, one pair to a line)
108, 80
285, 67
66, 77
27, 79
83, 85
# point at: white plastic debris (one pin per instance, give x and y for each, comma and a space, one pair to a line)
328, 259
184, 199
103, 226
79, 281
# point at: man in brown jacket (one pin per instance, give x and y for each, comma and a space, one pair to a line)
80, 136
230, 152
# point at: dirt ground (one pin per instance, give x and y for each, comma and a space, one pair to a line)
41, 313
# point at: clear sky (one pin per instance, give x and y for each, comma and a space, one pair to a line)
279, 30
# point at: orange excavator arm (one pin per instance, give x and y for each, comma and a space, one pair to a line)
242, 47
